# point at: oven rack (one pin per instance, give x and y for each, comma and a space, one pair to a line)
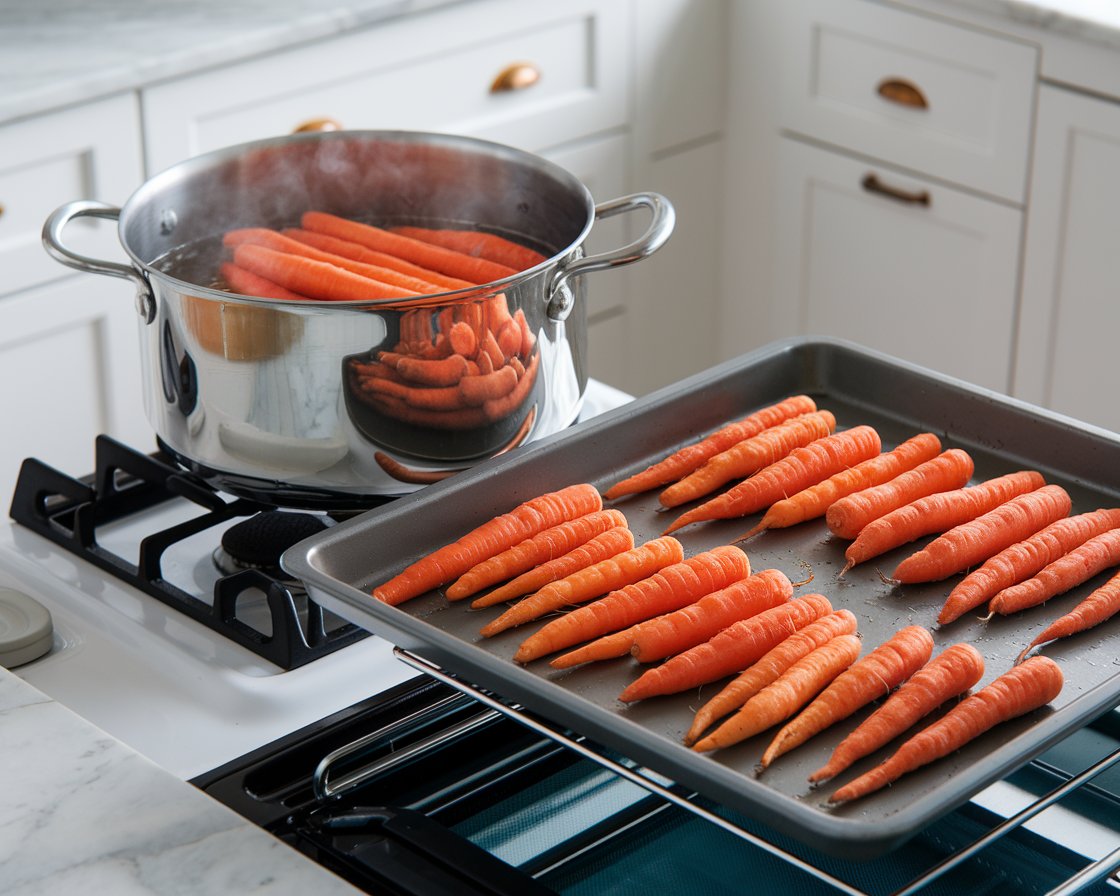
1092, 873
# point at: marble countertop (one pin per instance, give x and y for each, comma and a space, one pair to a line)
82, 813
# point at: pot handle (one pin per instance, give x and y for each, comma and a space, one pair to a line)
560, 298
89, 208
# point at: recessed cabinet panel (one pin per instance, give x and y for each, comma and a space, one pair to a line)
911, 268
1071, 280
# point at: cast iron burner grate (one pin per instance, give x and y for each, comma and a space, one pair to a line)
68, 511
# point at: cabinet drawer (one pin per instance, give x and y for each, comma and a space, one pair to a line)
941, 99
90, 152
428, 72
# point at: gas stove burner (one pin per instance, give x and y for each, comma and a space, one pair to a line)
258, 542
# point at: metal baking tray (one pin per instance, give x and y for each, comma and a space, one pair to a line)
341, 565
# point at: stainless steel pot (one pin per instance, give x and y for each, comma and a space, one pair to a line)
265, 398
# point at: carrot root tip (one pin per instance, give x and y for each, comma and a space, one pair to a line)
887, 580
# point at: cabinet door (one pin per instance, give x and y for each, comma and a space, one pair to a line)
1071, 270
917, 270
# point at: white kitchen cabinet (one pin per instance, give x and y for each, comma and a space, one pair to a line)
1071, 273
900, 264
69, 353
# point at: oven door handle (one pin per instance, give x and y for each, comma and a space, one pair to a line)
429, 845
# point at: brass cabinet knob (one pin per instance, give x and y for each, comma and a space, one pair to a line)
516, 76
317, 124
903, 92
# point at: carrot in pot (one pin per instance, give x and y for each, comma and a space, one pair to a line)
1020, 690
477, 242
246, 283
429, 398
814, 501
358, 252
492, 537
446, 261
768, 667
315, 279
950, 674
730, 651
681, 629
785, 695
607, 544
666, 590
749, 456
273, 239
869, 678
688, 458
537, 549
1023, 559
480, 388
448, 371
801, 468
950, 469
1099, 553
586, 584
1100, 606
937, 513
975, 541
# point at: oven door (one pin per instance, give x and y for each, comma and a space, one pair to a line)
428, 790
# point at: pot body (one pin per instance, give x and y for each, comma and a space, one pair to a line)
280, 400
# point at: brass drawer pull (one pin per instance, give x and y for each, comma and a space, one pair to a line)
318, 124
872, 184
517, 76
901, 91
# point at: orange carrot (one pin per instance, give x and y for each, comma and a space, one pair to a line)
666, 590
492, 537
801, 468
1100, 606
952, 672
315, 279
950, 469
814, 501
767, 669
937, 513
1023, 559
674, 632
358, 252
272, 239
688, 458
603, 546
730, 651
869, 678
480, 388
247, 283
447, 371
591, 582
446, 261
533, 551
477, 242
749, 456
975, 541
1099, 553
785, 695
1020, 690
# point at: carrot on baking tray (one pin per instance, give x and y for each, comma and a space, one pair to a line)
668, 589
730, 651
814, 501
590, 582
949, 674
1022, 689
492, 537
1023, 559
768, 667
688, 458
1100, 606
950, 469
869, 678
801, 468
749, 456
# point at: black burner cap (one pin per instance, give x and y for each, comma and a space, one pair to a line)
261, 539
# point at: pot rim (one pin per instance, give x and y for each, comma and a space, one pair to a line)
152, 187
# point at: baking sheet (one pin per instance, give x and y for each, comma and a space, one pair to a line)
341, 565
